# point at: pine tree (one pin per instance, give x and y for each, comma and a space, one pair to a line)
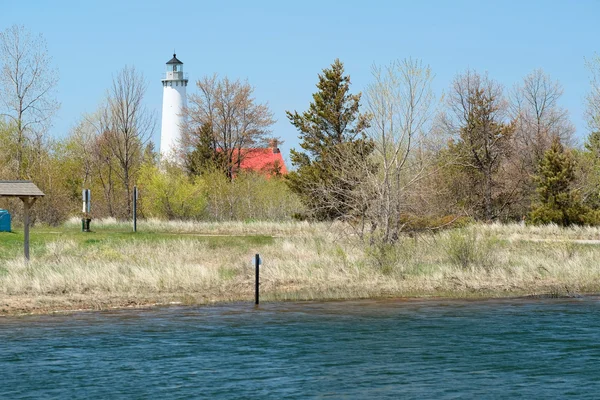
557, 202
484, 141
150, 156
332, 133
589, 171
593, 144
204, 157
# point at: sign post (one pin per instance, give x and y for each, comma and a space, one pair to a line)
257, 262
86, 209
135, 198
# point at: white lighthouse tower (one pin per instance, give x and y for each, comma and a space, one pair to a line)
174, 101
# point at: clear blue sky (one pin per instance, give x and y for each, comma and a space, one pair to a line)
281, 46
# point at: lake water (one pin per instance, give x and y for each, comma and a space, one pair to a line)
433, 349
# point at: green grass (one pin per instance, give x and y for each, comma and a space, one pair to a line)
11, 243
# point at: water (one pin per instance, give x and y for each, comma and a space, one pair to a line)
362, 349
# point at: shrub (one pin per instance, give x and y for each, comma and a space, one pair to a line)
171, 194
465, 249
249, 196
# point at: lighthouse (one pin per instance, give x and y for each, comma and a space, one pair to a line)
174, 102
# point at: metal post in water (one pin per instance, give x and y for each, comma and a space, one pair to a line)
256, 263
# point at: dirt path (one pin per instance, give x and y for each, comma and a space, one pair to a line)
540, 240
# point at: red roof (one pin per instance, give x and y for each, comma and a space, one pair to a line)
266, 160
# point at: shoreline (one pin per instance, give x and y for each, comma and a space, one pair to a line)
22, 306
199, 263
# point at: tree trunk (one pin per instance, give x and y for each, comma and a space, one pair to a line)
488, 195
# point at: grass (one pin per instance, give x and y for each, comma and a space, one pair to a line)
114, 235
195, 263
206, 228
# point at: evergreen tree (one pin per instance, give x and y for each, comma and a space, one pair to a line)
557, 202
588, 171
332, 134
593, 144
150, 156
484, 141
204, 157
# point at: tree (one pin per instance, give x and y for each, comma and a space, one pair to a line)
112, 143
204, 156
8, 167
588, 171
27, 83
400, 103
593, 97
236, 121
125, 126
478, 119
534, 107
332, 130
88, 144
538, 118
557, 201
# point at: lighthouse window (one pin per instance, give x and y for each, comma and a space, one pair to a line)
174, 68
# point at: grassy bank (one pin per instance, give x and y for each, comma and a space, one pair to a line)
195, 263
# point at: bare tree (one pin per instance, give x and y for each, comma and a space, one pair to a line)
539, 118
130, 125
588, 168
593, 97
90, 140
123, 126
400, 102
27, 82
236, 120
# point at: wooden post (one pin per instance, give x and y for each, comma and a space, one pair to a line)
27, 203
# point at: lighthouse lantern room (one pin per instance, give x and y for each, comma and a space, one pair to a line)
174, 103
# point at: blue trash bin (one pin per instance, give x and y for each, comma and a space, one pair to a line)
4, 221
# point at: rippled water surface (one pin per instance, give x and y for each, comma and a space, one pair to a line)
362, 349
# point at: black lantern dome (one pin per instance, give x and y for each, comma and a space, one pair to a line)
174, 60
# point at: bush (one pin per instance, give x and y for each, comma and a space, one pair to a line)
171, 194
397, 257
465, 249
250, 196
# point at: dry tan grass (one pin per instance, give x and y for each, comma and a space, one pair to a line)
554, 232
305, 261
216, 228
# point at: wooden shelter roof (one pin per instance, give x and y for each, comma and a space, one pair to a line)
19, 189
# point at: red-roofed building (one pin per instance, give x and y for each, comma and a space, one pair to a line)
266, 160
